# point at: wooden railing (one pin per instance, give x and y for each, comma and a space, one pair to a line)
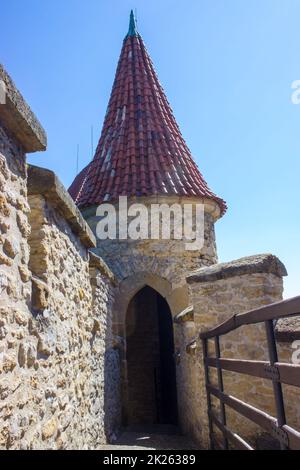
277, 372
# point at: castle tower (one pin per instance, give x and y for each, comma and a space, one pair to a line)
142, 155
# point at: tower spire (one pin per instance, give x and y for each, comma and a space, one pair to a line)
132, 31
141, 151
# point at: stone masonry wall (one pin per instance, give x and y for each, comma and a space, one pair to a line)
70, 332
105, 369
219, 292
15, 286
57, 364
165, 258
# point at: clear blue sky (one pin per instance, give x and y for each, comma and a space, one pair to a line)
227, 68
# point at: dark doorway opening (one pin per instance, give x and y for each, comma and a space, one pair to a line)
150, 395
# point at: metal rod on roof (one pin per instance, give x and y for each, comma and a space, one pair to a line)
136, 21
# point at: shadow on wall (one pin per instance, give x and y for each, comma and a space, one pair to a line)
112, 394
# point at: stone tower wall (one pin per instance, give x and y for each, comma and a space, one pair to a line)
160, 264
168, 259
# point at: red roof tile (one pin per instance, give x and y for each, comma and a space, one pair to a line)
141, 150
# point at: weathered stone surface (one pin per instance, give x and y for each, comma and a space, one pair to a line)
167, 259
191, 347
288, 329
45, 182
10, 247
186, 315
21, 317
40, 294
5, 260
24, 273
18, 118
96, 262
49, 428
54, 323
264, 263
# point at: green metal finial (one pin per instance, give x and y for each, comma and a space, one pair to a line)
132, 25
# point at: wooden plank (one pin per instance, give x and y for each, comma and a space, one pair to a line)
217, 444
236, 440
259, 417
221, 329
267, 422
289, 374
294, 437
254, 368
284, 308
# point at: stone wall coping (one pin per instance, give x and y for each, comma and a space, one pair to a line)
45, 182
17, 117
287, 330
262, 263
191, 347
186, 315
97, 262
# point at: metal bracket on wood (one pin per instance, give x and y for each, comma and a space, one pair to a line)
280, 434
272, 372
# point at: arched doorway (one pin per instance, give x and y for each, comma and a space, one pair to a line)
150, 395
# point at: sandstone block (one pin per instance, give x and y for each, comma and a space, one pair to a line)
21, 317
49, 428
4, 207
25, 274
23, 224
40, 294
22, 355
5, 260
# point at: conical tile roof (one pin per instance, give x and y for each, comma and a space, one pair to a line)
141, 151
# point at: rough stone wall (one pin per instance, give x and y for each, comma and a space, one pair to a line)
70, 342
165, 258
15, 289
58, 386
105, 369
241, 286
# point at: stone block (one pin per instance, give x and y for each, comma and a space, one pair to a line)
40, 294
